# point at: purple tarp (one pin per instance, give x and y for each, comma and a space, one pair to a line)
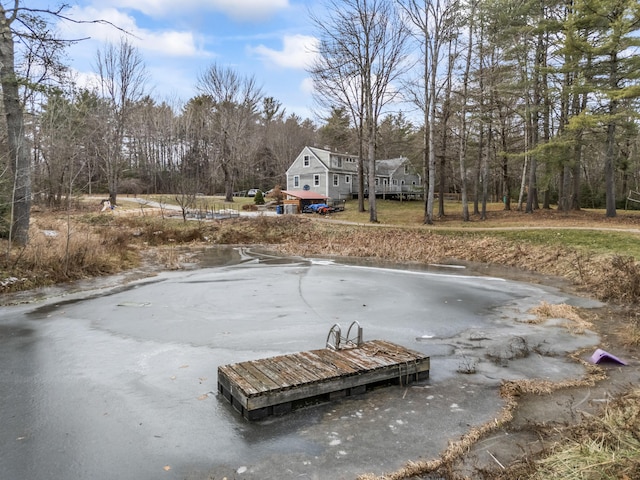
600, 355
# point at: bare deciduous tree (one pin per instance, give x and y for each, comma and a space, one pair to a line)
360, 56
433, 21
25, 26
464, 134
236, 101
18, 155
123, 77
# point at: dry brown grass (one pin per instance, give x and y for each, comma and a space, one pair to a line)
58, 252
630, 333
575, 323
601, 447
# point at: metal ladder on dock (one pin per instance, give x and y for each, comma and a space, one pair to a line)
336, 341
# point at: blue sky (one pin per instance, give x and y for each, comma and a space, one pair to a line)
271, 40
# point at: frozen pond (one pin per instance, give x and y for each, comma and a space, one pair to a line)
120, 382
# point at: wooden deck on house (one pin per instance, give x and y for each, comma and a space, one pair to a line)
276, 385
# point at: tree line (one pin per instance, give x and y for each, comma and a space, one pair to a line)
533, 103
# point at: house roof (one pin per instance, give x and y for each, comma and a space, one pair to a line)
388, 167
384, 167
324, 157
305, 194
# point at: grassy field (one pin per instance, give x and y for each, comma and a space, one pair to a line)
589, 230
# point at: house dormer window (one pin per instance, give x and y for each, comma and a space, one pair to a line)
339, 162
306, 161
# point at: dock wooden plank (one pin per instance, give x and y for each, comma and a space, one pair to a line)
238, 379
278, 376
313, 370
312, 363
358, 362
257, 379
314, 390
327, 368
386, 357
403, 353
274, 369
344, 367
293, 365
271, 385
369, 359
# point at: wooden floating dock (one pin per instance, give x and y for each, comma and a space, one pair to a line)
276, 385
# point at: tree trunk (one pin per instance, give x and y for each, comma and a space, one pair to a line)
228, 183
506, 184
433, 80
609, 170
371, 152
463, 121
446, 113
426, 143
609, 167
18, 155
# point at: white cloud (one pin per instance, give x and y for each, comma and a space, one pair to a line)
168, 42
306, 86
88, 80
239, 10
298, 52
179, 44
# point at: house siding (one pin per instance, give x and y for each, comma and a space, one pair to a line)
390, 174
325, 164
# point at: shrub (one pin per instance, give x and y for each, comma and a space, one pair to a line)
276, 194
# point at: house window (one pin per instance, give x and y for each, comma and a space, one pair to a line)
335, 180
296, 181
347, 179
316, 180
306, 161
395, 181
406, 169
339, 162
377, 182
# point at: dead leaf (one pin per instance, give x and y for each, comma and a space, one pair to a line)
184, 366
203, 397
172, 377
166, 468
